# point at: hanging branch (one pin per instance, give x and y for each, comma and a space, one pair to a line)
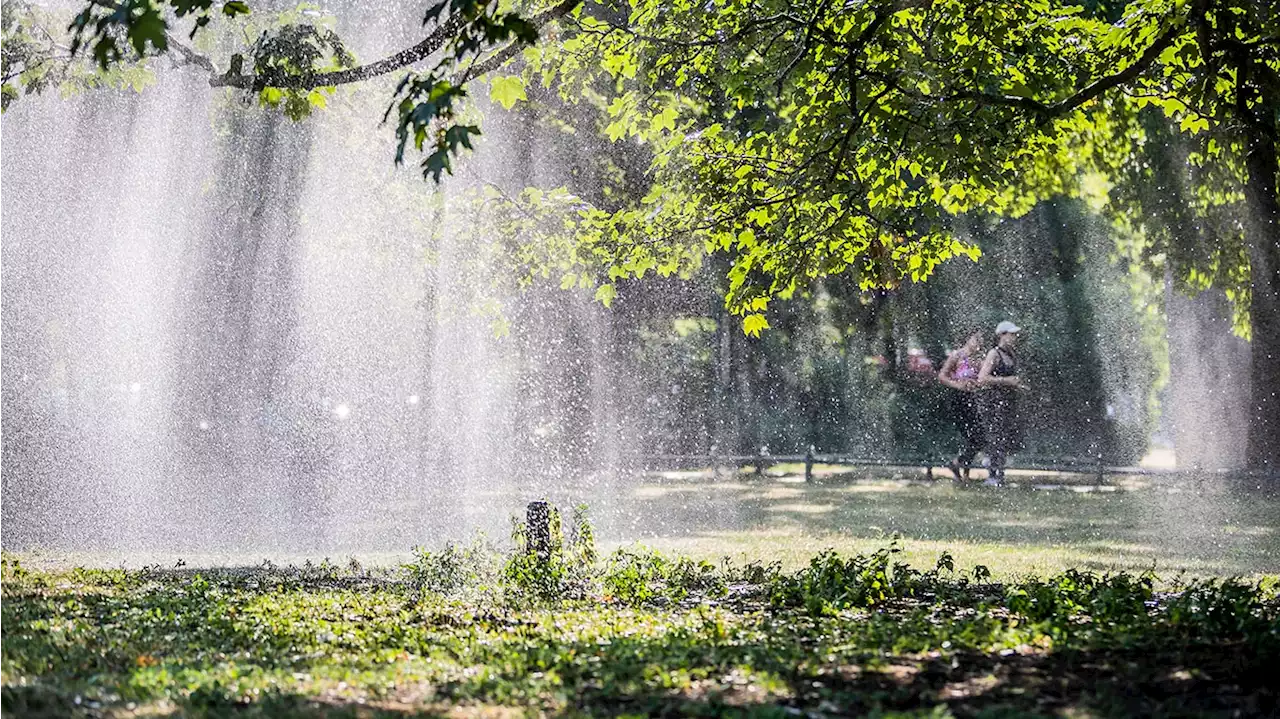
431, 43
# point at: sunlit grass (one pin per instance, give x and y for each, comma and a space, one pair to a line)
1006, 561
1132, 523
1045, 524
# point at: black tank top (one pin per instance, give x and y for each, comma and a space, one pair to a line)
1006, 365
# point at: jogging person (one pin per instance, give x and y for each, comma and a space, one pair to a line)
999, 386
960, 373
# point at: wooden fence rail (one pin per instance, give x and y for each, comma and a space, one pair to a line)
1068, 465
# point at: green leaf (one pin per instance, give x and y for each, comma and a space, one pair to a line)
148, 28
507, 91
605, 294
753, 324
1194, 124
665, 120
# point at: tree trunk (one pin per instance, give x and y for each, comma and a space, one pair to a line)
1207, 400
1262, 233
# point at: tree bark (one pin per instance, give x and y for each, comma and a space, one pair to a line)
1262, 233
1207, 400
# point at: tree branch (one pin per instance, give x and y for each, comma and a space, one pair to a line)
1125, 76
804, 47
189, 56
1049, 111
492, 62
408, 56
431, 43
1200, 15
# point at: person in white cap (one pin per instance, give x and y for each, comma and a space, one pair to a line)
1000, 384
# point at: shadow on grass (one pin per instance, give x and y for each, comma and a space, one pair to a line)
835, 668
1162, 678
44, 703
1207, 527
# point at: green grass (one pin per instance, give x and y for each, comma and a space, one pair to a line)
1204, 528
477, 632
1201, 528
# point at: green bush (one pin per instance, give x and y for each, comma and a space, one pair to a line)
453, 568
640, 576
831, 583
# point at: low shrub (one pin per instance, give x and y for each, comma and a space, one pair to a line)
453, 568
640, 576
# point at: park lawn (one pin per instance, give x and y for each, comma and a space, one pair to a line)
1006, 560
1046, 523
460, 633
450, 635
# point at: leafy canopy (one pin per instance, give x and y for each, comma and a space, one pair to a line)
815, 138
801, 139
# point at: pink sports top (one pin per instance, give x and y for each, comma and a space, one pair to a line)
964, 370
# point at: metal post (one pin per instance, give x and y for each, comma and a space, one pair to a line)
808, 464
538, 525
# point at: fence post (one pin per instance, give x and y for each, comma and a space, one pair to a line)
538, 525
761, 457
808, 464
